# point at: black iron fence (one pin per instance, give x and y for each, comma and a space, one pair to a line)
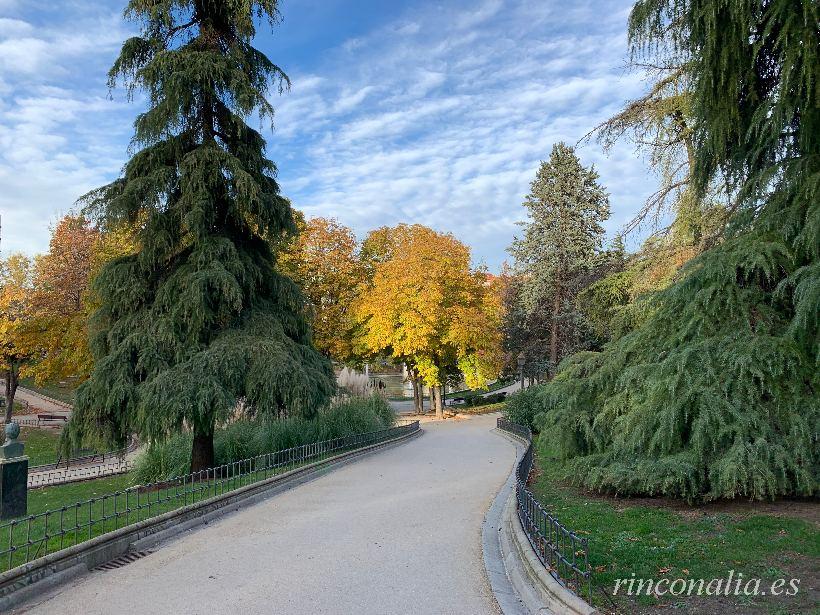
563, 553
28, 538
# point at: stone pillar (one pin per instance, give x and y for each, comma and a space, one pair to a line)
13, 475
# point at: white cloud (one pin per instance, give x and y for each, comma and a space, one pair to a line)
14, 27
352, 99
449, 125
58, 129
439, 116
470, 18
408, 28
23, 55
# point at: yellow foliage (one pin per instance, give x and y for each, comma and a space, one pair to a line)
62, 299
427, 307
16, 274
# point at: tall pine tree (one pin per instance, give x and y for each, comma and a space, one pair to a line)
198, 320
559, 248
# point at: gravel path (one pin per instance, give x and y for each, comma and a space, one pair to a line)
37, 402
396, 532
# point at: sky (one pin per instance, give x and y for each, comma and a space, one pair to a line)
430, 112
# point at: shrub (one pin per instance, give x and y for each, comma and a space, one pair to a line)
248, 438
523, 406
164, 460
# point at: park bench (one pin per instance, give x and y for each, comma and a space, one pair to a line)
43, 417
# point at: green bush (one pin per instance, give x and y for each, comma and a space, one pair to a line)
523, 406
165, 460
248, 438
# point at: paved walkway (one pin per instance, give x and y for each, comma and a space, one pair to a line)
37, 402
398, 531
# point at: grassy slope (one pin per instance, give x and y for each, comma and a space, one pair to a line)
62, 392
652, 542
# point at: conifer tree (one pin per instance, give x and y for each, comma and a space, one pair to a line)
560, 246
716, 393
197, 320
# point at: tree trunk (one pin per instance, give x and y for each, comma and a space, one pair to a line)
556, 309
417, 400
435, 399
12, 376
202, 453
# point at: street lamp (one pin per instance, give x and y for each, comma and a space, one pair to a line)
522, 360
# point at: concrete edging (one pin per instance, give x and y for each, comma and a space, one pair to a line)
34, 578
537, 589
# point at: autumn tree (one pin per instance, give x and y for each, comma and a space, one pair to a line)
560, 246
16, 274
323, 260
62, 300
426, 307
58, 331
198, 319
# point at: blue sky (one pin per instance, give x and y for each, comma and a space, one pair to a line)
429, 112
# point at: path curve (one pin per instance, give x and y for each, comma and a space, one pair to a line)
396, 532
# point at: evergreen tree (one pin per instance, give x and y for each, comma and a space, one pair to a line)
560, 247
198, 320
716, 393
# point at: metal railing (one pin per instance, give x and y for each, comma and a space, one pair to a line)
28, 538
563, 553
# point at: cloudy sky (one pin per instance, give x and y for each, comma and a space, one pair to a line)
435, 112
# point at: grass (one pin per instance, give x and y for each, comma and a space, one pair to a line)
54, 498
653, 542
485, 409
40, 445
498, 384
19, 408
61, 391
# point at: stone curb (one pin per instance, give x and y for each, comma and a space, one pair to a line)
37, 577
535, 586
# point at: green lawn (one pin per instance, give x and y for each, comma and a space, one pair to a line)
53, 498
653, 541
40, 445
61, 391
485, 409
498, 384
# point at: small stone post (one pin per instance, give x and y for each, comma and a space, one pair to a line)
13, 475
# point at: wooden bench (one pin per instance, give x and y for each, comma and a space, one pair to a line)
44, 417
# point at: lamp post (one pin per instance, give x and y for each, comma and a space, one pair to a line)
522, 360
